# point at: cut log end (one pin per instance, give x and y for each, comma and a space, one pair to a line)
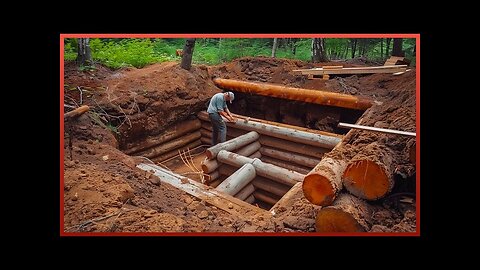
336, 220
205, 168
209, 154
367, 180
318, 189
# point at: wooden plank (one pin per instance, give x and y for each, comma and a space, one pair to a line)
383, 130
332, 67
203, 192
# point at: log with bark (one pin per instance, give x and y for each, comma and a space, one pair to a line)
369, 174
346, 214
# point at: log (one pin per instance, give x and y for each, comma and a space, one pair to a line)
206, 133
77, 112
290, 157
369, 174
270, 171
213, 176
171, 133
238, 180
266, 197
346, 214
316, 131
231, 132
289, 134
207, 141
250, 199
316, 152
232, 144
300, 94
215, 183
210, 165
285, 165
255, 155
170, 146
270, 186
174, 152
375, 129
323, 183
245, 192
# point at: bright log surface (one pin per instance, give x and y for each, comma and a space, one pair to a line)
291, 93
232, 144
210, 165
289, 134
370, 177
174, 152
270, 171
375, 129
171, 133
245, 192
285, 165
290, 157
323, 183
266, 197
316, 152
77, 112
170, 146
238, 180
270, 186
347, 214
316, 131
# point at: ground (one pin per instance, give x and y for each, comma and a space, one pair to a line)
104, 192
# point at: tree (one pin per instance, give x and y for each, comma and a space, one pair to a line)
381, 48
187, 54
318, 50
274, 48
84, 55
397, 47
353, 42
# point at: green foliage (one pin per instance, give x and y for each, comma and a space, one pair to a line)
120, 52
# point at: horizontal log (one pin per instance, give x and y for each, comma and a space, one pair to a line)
174, 152
76, 112
299, 94
263, 169
294, 147
316, 131
231, 132
213, 176
323, 183
289, 134
346, 214
270, 186
215, 183
245, 192
170, 146
266, 197
286, 165
250, 199
210, 165
207, 141
238, 180
232, 144
298, 159
173, 132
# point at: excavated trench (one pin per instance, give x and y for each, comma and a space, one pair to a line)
182, 147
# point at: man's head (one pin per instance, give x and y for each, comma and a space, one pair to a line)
229, 96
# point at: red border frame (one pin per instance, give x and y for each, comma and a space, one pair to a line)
63, 36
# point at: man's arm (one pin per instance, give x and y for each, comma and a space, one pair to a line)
228, 115
232, 119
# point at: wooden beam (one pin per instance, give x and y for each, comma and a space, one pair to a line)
383, 130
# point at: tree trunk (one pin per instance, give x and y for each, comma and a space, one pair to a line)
318, 50
238, 180
387, 49
274, 48
397, 47
381, 48
84, 55
369, 174
353, 42
187, 54
323, 183
347, 214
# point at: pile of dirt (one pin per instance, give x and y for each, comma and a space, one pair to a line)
142, 102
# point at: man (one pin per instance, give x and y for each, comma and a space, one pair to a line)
216, 109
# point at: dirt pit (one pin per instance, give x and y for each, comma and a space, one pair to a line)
104, 191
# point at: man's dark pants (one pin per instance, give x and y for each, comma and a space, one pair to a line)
219, 128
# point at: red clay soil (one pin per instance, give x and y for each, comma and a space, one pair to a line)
100, 179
